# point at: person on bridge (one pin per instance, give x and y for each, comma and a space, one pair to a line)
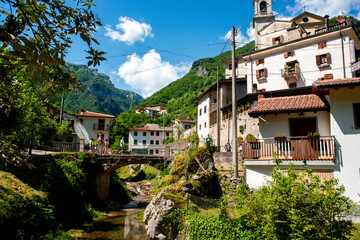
122, 144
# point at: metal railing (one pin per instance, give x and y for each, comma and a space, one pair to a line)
331, 27
103, 127
65, 147
292, 148
291, 73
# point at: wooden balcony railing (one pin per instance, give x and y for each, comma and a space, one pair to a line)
293, 148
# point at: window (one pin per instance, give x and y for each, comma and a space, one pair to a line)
152, 133
157, 133
305, 19
152, 142
263, 7
151, 151
135, 142
213, 118
157, 142
321, 45
200, 112
289, 54
262, 73
101, 125
356, 107
292, 85
144, 134
259, 61
230, 66
261, 90
135, 134
199, 126
205, 125
167, 134
323, 59
144, 142
204, 109
187, 126
157, 151
277, 40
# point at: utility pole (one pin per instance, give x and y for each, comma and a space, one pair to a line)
62, 106
234, 110
217, 109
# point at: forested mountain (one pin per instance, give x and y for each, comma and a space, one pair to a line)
99, 95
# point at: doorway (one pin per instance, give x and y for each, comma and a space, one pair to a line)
301, 126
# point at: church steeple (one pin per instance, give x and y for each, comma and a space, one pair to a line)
262, 16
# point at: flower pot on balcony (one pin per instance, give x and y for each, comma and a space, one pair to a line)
251, 140
280, 138
313, 137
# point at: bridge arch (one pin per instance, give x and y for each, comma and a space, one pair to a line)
112, 162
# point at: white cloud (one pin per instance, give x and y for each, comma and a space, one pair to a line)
327, 7
130, 31
149, 73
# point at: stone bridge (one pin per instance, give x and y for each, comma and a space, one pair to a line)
112, 162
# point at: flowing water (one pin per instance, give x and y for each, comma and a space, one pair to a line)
120, 224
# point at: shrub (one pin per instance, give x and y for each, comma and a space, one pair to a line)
297, 205
249, 136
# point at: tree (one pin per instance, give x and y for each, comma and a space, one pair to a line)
37, 34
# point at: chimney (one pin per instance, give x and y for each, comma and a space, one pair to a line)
326, 17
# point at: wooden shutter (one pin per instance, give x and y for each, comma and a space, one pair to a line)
281, 38
257, 62
318, 60
285, 55
320, 45
273, 41
257, 74
265, 72
328, 58
245, 62
292, 53
329, 76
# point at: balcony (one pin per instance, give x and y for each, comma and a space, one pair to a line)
293, 148
291, 73
102, 127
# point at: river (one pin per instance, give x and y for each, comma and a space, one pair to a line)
120, 224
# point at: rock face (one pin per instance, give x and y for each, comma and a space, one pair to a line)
153, 216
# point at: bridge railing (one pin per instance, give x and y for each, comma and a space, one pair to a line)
142, 151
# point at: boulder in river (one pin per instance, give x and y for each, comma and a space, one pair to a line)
153, 216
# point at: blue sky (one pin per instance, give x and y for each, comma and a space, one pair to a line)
149, 44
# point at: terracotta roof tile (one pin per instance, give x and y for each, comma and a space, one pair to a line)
341, 82
151, 127
92, 114
288, 104
186, 121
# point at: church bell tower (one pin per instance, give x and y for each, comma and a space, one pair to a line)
262, 16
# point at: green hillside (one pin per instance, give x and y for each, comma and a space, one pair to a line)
179, 96
99, 95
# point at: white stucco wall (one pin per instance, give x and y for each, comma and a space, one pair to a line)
306, 56
140, 137
342, 126
280, 124
86, 128
204, 117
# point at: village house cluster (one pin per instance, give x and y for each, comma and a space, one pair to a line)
298, 95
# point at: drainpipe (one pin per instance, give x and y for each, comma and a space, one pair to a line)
342, 52
252, 77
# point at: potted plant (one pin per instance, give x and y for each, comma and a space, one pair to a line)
240, 139
313, 135
279, 137
250, 138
